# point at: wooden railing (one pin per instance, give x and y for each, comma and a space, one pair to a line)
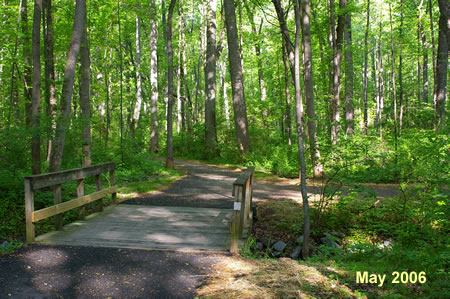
55, 179
242, 192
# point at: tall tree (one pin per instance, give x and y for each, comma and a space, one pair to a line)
257, 42
27, 57
153, 78
442, 62
137, 106
337, 38
66, 95
36, 91
365, 77
237, 80
309, 89
299, 128
50, 88
169, 160
210, 81
85, 96
348, 55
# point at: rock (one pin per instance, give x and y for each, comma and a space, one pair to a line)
276, 253
4, 244
296, 253
338, 234
254, 216
386, 244
267, 243
299, 240
329, 241
259, 246
279, 246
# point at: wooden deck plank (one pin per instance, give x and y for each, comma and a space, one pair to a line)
148, 227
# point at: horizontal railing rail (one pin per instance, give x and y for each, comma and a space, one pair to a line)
55, 179
243, 193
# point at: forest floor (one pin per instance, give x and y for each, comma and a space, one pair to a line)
71, 271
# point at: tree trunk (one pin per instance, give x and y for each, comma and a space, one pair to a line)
287, 79
154, 148
380, 83
85, 97
394, 89
365, 79
180, 58
66, 95
299, 127
27, 58
237, 82
400, 73
262, 88
170, 161
36, 91
224, 90
348, 54
442, 62
210, 82
433, 47
50, 88
137, 106
121, 81
336, 85
309, 90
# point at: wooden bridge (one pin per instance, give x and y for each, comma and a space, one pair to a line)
138, 226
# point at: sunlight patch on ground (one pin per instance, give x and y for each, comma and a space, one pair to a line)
237, 277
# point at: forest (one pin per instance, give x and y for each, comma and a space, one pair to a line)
349, 95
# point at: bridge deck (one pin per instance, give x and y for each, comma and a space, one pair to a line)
148, 227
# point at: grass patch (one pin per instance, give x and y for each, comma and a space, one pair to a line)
267, 278
153, 183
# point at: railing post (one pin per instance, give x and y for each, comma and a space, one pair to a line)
251, 192
236, 221
29, 208
112, 180
80, 193
98, 187
57, 200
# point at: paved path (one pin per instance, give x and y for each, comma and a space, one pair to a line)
83, 271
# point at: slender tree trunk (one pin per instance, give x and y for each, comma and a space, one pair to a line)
348, 53
299, 127
170, 161
137, 106
224, 90
335, 101
121, 81
180, 58
433, 47
108, 96
442, 63
210, 81
309, 90
287, 80
85, 97
394, 89
154, 148
66, 95
400, 73
27, 58
36, 91
262, 88
381, 83
365, 79
13, 96
50, 88
424, 48
237, 81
